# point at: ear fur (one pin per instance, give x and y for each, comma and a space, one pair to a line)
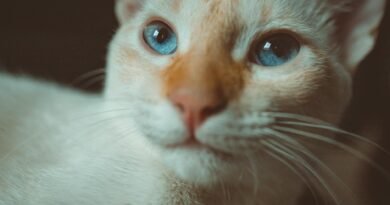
125, 9
357, 29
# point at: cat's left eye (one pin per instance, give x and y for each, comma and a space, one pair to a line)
275, 50
160, 38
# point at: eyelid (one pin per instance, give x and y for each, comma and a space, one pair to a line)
267, 34
157, 18
263, 38
260, 36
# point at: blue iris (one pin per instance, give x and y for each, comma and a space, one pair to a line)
277, 50
160, 37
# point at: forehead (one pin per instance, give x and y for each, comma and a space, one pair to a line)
246, 10
311, 19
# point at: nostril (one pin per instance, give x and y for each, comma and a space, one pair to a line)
195, 109
179, 106
181, 102
213, 109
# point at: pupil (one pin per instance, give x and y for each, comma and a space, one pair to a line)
161, 35
276, 50
280, 48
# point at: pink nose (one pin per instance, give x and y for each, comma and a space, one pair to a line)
195, 107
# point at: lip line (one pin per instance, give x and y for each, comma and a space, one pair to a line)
196, 145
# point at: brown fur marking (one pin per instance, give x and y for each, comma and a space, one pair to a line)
176, 5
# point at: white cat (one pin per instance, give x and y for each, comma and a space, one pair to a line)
205, 102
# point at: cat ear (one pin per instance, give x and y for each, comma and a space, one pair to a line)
125, 9
357, 29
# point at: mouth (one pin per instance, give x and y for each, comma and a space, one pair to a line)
200, 163
194, 145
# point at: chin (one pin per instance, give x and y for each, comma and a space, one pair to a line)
200, 166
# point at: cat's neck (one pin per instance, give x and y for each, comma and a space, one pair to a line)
183, 194
261, 192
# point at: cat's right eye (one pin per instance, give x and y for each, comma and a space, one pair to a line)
160, 38
275, 50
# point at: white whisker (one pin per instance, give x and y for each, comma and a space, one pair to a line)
88, 75
293, 156
294, 144
284, 137
295, 117
88, 127
254, 173
305, 180
93, 81
337, 130
337, 144
103, 112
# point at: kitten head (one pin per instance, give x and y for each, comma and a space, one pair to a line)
210, 82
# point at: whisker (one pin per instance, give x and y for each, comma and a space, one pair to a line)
29, 139
88, 75
108, 119
124, 106
95, 114
120, 136
254, 173
225, 191
342, 146
302, 118
339, 131
320, 124
284, 137
294, 144
293, 156
305, 180
93, 81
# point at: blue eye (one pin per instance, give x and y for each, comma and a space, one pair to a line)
160, 37
276, 50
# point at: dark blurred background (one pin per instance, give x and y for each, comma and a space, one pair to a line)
56, 40
62, 40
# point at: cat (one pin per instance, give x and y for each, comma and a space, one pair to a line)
205, 102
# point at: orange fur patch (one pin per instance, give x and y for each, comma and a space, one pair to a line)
211, 74
176, 4
265, 13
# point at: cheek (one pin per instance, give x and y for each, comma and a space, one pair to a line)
131, 73
305, 92
130, 58
133, 66
299, 89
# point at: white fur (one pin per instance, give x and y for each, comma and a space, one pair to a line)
60, 146
79, 156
